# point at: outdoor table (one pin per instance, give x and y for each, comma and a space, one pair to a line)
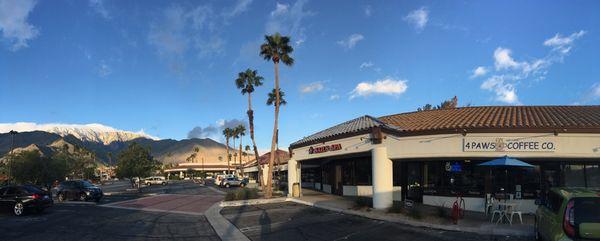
505, 207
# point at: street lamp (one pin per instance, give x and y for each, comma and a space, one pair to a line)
12, 147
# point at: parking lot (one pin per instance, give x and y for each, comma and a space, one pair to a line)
91, 221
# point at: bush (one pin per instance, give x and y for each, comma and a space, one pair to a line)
397, 207
441, 211
361, 202
415, 213
242, 194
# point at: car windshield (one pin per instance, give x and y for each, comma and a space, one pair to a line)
32, 189
87, 184
587, 210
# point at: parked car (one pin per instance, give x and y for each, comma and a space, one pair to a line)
19, 199
157, 180
81, 190
568, 214
232, 182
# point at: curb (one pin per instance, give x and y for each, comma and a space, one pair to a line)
251, 202
222, 226
76, 203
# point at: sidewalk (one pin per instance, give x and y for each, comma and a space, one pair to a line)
473, 222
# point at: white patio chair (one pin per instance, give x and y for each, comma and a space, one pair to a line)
495, 211
515, 210
489, 204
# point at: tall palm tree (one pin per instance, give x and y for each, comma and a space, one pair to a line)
247, 81
272, 96
241, 131
196, 150
227, 133
276, 48
234, 134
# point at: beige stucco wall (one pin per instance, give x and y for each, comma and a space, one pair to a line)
451, 145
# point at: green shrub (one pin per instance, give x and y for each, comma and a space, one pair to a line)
397, 207
415, 213
242, 194
361, 202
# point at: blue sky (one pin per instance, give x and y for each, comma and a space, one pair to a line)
166, 67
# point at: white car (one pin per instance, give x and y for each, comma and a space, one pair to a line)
155, 181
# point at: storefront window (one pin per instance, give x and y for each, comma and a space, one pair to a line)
363, 172
397, 173
592, 173
431, 177
574, 175
348, 173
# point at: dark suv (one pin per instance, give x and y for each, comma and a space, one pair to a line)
78, 190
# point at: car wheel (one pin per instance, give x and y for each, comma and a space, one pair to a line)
242, 185
61, 197
227, 185
18, 209
164, 183
82, 197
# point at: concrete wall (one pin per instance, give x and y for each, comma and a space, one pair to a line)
326, 188
363, 191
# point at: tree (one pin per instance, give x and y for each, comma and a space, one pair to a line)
247, 149
447, 104
227, 133
32, 167
271, 98
136, 161
276, 48
247, 81
241, 132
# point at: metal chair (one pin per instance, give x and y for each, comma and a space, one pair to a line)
514, 211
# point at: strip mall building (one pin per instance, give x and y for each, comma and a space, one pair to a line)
432, 156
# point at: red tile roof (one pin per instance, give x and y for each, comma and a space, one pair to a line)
532, 119
494, 118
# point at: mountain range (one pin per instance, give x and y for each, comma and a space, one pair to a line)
103, 143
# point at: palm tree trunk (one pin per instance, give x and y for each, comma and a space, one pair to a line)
251, 124
269, 191
241, 167
228, 157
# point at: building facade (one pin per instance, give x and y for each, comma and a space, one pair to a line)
433, 156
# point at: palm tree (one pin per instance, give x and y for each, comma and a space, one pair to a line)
247, 81
272, 97
196, 150
247, 149
276, 48
241, 131
227, 133
234, 134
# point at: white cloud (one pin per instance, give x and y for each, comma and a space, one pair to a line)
334, 97
280, 8
418, 18
240, 7
98, 7
505, 92
62, 128
368, 11
351, 41
311, 87
479, 71
288, 20
509, 72
596, 90
387, 86
104, 70
563, 44
13, 23
503, 60
366, 65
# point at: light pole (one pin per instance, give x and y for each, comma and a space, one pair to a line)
12, 147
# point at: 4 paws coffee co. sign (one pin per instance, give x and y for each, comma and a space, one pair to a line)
499, 144
322, 149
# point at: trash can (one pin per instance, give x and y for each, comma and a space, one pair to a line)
296, 190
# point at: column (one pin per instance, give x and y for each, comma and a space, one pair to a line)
292, 175
382, 178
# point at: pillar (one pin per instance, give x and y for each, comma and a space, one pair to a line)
294, 176
382, 178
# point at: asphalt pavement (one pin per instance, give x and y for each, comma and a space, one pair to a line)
290, 221
90, 221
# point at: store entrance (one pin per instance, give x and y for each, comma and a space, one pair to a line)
412, 178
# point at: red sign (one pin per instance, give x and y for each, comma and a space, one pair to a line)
321, 149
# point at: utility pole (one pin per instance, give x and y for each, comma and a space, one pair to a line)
12, 147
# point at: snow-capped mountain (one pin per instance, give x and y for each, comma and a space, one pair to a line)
86, 132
